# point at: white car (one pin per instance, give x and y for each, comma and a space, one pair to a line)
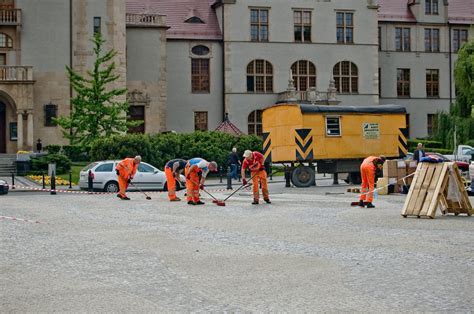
105, 178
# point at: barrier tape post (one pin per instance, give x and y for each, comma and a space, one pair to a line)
70, 179
53, 183
44, 183
229, 179
13, 180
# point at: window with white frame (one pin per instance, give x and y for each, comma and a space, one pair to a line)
333, 126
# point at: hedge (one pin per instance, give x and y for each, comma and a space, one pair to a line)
428, 144
63, 164
159, 148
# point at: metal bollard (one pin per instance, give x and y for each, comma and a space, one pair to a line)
13, 181
53, 183
220, 174
335, 179
70, 179
229, 179
90, 182
44, 183
287, 178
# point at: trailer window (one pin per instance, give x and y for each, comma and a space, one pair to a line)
333, 126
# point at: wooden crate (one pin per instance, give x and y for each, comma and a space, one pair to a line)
429, 190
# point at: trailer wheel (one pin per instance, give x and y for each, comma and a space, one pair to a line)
303, 177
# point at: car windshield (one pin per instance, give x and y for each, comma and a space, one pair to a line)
90, 166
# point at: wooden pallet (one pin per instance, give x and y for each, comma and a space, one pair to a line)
429, 190
353, 190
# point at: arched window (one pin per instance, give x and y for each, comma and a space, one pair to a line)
346, 77
304, 75
259, 77
5, 41
255, 123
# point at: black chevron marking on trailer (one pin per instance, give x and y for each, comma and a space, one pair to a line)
310, 155
265, 136
303, 133
404, 132
402, 142
269, 157
401, 153
298, 155
305, 147
267, 147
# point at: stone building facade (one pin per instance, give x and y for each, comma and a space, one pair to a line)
188, 63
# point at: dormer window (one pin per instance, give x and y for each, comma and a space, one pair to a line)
431, 7
193, 17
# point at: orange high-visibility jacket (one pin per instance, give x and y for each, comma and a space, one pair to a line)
127, 167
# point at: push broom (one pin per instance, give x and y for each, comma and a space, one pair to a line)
136, 187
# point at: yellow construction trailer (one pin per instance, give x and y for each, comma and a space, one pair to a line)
334, 138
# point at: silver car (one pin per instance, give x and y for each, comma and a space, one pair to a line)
105, 178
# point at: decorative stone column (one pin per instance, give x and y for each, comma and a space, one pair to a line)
29, 132
19, 131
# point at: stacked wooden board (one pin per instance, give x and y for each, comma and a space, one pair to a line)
429, 190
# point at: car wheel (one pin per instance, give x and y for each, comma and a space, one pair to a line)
111, 187
177, 184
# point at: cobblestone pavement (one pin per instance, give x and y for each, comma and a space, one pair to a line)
307, 251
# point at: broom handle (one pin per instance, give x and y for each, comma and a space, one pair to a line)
240, 187
206, 192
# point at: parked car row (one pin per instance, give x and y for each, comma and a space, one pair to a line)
105, 178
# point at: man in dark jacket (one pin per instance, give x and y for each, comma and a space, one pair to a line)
234, 162
419, 152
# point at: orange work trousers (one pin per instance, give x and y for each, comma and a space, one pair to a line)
123, 185
192, 184
259, 176
367, 172
171, 183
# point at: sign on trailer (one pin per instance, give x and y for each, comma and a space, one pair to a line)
371, 131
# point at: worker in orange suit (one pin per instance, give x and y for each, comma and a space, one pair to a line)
368, 169
173, 169
196, 172
254, 161
125, 170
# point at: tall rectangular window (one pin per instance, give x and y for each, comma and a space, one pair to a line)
345, 27
380, 82
259, 24
302, 25
200, 120
431, 39
432, 83
136, 113
200, 80
380, 38
402, 39
403, 82
97, 24
431, 123
459, 38
50, 112
431, 7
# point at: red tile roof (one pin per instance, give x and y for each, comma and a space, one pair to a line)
177, 11
459, 11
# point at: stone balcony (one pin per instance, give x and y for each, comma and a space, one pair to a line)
16, 74
10, 17
145, 20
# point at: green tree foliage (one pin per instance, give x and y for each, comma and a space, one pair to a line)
461, 115
95, 110
159, 148
464, 79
